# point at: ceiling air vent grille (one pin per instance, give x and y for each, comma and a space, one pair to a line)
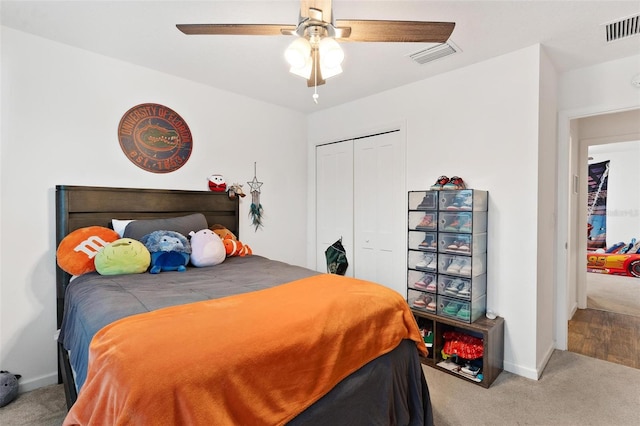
623, 28
433, 53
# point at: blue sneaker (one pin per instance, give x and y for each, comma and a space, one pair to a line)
454, 287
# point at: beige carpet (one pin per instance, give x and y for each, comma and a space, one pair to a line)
45, 406
613, 293
573, 390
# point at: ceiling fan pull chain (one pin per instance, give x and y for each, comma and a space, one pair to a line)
315, 76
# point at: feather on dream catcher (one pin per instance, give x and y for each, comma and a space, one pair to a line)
256, 208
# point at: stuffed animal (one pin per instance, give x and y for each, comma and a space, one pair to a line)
236, 248
235, 190
169, 251
76, 252
232, 246
123, 256
217, 183
8, 387
222, 232
207, 248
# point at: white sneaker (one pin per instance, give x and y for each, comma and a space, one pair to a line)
466, 290
426, 262
465, 268
455, 265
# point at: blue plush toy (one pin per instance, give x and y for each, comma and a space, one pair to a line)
8, 387
169, 251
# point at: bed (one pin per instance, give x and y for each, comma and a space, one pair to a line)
248, 341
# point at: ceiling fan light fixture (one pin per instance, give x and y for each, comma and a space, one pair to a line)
298, 53
303, 71
328, 72
331, 53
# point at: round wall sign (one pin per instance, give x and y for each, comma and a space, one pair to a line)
155, 138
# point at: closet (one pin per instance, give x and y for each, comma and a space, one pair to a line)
360, 187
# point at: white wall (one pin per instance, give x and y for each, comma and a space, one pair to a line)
60, 111
547, 196
480, 123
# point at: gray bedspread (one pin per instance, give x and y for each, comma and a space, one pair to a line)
388, 390
93, 301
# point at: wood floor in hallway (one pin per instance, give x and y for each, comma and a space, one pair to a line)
606, 335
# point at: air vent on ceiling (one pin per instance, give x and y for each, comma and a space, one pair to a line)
436, 52
622, 28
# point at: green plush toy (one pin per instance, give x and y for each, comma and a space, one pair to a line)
123, 256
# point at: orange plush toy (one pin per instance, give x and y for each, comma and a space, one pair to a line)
235, 247
232, 246
222, 232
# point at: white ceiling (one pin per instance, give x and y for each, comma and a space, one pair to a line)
144, 33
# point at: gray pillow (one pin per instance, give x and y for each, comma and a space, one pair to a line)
183, 224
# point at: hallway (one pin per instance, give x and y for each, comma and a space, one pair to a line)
609, 336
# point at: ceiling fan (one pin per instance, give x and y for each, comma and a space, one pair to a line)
315, 54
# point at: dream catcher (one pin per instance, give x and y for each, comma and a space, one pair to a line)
256, 208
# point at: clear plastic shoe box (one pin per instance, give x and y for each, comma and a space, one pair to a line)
422, 281
423, 261
447, 253
464, 244
462, 222
421, 240
423, 200
460, 310
462, 288
423, 301
462, 266
463, 200
423, 221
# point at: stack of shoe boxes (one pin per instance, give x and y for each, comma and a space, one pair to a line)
422, 259
447, 257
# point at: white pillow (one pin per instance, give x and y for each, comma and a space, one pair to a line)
120, 225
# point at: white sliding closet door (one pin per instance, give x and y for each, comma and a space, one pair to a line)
334, 200
360, 196
379, 223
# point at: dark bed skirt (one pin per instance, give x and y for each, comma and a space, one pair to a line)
391, 389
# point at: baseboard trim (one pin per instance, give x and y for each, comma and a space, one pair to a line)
547, 356
573, 309
37, 382
528, 373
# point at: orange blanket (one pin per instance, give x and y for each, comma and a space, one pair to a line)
256, 358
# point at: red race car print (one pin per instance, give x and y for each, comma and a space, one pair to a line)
614, 264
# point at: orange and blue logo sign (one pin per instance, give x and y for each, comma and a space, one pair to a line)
155, 138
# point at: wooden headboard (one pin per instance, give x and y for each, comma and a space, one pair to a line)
82, 206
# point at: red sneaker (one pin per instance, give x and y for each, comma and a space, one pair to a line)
455, 183
442, 180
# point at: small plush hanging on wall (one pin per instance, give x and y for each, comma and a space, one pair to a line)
256, 208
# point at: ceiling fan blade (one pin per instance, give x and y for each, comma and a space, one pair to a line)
397, 31
315, 70
234, 29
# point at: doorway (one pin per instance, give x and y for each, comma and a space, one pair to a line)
620, 205
607, 319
